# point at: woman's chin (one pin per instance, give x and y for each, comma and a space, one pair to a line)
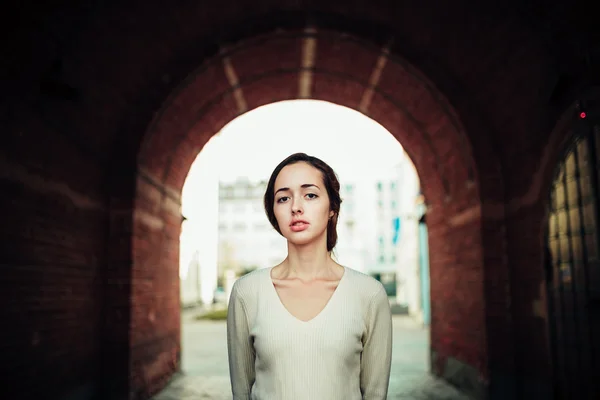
299, 239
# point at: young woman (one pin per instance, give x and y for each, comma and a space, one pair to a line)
308, 328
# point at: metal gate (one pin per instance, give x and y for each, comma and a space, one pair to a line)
573, 267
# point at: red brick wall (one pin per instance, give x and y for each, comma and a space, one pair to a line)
457, 292
53, 240
155, 304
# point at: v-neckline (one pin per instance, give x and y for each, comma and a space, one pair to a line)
278, 299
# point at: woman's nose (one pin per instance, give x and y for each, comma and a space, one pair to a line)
296, 208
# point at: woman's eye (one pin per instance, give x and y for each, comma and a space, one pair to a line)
312, 196
282, 199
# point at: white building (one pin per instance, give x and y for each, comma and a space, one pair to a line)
413, 268
383, 262
351, 249
388, 221
246, 238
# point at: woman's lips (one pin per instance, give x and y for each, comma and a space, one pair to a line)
299, 226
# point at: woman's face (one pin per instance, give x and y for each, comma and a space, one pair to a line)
301, 204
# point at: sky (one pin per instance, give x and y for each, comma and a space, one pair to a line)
353, 144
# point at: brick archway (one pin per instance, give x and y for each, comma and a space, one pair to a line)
345, 70
319, 65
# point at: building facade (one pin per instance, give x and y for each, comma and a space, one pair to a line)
246, 239
410, 243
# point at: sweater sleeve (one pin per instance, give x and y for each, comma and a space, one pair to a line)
239, 347
376, 359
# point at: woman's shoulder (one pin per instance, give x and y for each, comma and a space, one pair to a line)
251, 280
367, 284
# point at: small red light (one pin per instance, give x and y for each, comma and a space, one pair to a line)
582, 115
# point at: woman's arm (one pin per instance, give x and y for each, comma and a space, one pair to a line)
239, 347
376, 357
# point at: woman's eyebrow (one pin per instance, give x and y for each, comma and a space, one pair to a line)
306, 185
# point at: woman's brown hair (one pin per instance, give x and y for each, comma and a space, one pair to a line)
332, 186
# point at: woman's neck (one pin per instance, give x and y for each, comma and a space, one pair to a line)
309, 262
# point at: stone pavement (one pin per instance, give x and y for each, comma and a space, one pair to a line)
206, 373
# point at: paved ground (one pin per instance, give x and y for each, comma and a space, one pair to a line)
206, 373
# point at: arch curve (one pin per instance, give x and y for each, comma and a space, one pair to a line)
270, 68
563, 133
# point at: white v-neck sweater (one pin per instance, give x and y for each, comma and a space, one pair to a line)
343, 353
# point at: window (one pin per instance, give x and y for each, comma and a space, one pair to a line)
572, 226
239, 227
348, 207
572, 259
261, 226
239, 191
